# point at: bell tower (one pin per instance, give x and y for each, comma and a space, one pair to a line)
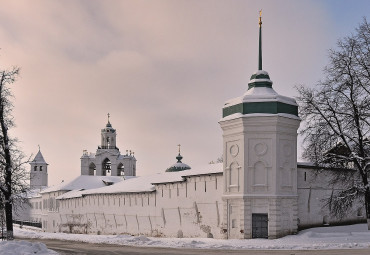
108, 160
39, 171
108, 136
260, 160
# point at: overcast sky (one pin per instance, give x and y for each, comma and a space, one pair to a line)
162, 69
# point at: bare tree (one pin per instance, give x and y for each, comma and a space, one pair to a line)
336, 114
12, 171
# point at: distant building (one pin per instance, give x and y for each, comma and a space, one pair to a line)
38, 172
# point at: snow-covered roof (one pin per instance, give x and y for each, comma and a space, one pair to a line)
84, 182
260, 94
33, 193
178, 166
146, 183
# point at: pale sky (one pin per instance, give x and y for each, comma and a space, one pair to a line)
162, 69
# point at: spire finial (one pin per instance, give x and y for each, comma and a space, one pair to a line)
260, 43
39, 146
108, 116
179, 157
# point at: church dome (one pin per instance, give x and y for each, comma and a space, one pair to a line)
178, 166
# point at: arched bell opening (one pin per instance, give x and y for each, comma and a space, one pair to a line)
92, 169
120, 170
107, 167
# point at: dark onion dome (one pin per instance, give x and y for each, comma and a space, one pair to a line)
108, 128
178, 166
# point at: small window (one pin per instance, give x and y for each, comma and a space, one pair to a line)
233, 223
325, 220
40, 168
305, 176
359, 212
35, 168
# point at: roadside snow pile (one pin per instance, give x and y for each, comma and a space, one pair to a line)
24, 248
341, 237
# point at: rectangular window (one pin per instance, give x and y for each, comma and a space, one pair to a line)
216, 181
305, 176
205, 186
186, 189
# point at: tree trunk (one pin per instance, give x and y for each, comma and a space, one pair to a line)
8, 171
367, 205
9, 220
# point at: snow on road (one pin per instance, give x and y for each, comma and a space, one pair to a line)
352, 236
24, 248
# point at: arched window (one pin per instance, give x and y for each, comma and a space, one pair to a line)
40, 168
120, 170
35, 168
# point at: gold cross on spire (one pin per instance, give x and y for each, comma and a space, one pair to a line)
179, 147
260, 19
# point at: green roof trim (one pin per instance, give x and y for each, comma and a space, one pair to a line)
260, 107
260, 84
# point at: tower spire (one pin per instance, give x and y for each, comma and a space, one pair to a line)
260, 43
179, 157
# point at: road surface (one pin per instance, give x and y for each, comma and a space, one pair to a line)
78, 248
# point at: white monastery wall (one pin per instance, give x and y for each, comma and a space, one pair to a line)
191, 208
313, 188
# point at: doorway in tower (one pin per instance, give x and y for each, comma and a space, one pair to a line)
234, 221
259, 225
107, 167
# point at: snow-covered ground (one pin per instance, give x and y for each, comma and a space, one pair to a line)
352, 236
24, 248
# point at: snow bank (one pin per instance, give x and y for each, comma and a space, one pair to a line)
343, 237
23, 248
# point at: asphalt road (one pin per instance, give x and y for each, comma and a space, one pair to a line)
77, 248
